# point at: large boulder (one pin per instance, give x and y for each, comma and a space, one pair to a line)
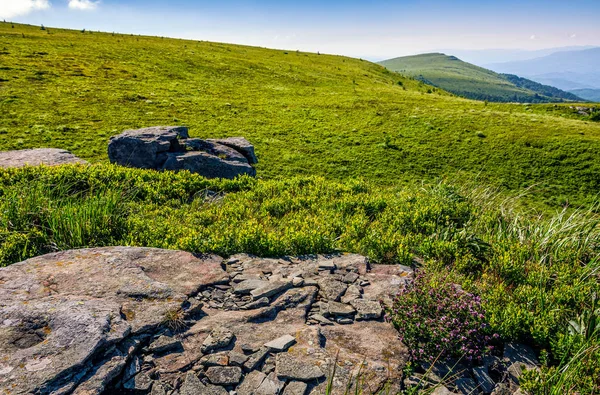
170, 148
118, 319
38, 156
239, 144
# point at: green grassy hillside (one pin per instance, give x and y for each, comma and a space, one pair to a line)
468, 80
307, 114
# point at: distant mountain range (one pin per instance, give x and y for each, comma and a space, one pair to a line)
483, 57
575, 71
474, 82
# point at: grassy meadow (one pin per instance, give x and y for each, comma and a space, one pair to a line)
307, 114
353, 158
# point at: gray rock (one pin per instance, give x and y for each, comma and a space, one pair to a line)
241, 145
237, 359
85, 301
521, 353
256, 359
339, 309
224, 375
281, 344
297, 281
332, 289
207, 165
350, 278
216, 359
321, 320
345, 321
502, 389
134, 366
219, 337
483, 379
367, 309
164, 344
327, 264
251, 382
270, 290
442, 390
139, 382
289, 367
145, 148
246, 286
353, 292
36, 157
220, 150
270, 385
465, 385
158, 389
192, 385
295, 388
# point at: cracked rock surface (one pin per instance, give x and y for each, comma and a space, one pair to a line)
38, 156
125, 320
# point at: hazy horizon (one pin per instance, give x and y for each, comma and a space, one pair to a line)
374, 31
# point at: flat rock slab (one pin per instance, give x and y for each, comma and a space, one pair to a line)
58, 311
106, 320
39, 156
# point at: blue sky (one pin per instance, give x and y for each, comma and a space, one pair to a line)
369, 29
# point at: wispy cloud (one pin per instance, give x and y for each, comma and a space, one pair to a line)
85, 5
12, 8
573, 35
533, 37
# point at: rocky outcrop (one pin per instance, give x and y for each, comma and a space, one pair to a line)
39, 156
170, 148
117, 319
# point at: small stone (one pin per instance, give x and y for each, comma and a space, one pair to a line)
332, 289
297, 281
270, 385
295, 388
289, 367
237, 359
321, 320
221, 375
246, 286
327, 265
353, 292
158, 389
350, 278
310, 282
139, 382
367, 309
249, 348
340, 309
164, 344
256, 359
192, 385
281, 344
270, 290
262, 302
345, 321
217, 359
251, 382
218, 338
364, 283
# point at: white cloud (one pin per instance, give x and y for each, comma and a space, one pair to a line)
85, 5
573, 35
12, 8
533, 37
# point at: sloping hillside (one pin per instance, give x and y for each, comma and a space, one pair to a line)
588, 94
468, 80
307, 114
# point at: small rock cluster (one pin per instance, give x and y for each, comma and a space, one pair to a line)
170, 148
496, 376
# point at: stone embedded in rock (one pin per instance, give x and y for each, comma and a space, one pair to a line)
332, 289
38, 156
337, 309
321, 320
164, 344
169, 148
256, 359
216, 359
139, 382
219, 337
295, 388
270, 289
251, 382
237, 359
281, 344
367, 309
224, 375
262, 302
246, 286
350, 278
289, 367
353, 292
239, 144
